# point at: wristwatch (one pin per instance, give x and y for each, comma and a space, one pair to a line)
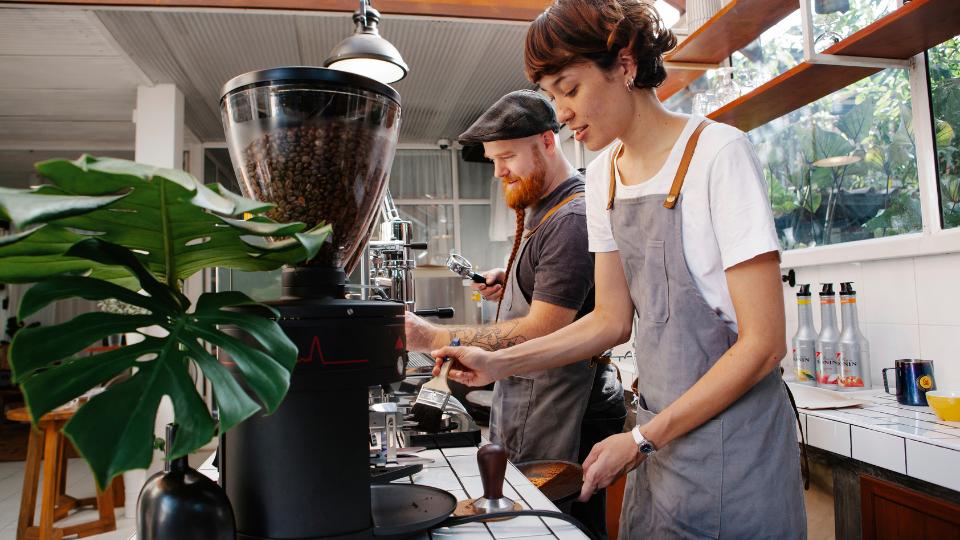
644, 446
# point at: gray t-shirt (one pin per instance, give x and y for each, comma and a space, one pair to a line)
556, 266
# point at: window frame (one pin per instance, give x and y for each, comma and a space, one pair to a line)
932, 239
455, 201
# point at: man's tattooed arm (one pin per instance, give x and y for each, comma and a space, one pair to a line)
490, 337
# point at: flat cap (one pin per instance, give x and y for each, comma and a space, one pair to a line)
518, 114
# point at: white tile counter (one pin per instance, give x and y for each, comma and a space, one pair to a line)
455, 470
900, 438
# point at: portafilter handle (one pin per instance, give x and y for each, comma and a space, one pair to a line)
463, 268
440, 313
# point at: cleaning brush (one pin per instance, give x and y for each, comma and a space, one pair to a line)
433, 397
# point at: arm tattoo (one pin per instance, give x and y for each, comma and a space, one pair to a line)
490, 337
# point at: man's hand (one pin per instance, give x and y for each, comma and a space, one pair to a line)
420, 333
472, 366
493, 288
609, 459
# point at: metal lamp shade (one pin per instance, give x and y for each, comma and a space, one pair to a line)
369, 55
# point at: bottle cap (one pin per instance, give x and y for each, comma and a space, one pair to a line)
804, 289
826, 289
847, 288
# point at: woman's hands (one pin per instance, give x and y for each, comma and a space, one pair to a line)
610, 459
472, 366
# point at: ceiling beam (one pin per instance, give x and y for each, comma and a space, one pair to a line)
514, 10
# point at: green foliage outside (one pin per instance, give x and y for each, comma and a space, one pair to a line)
872, 191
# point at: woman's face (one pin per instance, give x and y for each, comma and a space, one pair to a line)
592, 102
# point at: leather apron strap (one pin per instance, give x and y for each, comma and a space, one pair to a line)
674, 194
527, 235
552, 211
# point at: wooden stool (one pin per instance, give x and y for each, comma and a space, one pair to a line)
48, 444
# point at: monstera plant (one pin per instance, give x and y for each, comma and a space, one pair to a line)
105, 229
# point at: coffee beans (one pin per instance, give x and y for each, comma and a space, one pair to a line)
332, 172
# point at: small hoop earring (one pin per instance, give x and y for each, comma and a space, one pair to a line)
629, 85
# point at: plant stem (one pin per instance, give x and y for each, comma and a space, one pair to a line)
168, 259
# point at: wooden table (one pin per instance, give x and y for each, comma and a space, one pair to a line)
47, 445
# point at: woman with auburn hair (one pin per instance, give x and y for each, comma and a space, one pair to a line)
683, 232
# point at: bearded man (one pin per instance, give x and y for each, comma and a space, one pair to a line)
559, 413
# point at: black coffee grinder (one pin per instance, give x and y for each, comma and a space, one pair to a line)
319, 144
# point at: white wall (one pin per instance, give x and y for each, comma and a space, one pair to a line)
909, 308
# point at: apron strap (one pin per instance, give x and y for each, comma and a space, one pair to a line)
528, 234
804, 464
613, 176
552, 211
674, 194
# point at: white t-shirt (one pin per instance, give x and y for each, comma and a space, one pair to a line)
727, 218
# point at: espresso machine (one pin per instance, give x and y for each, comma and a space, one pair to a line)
318, 144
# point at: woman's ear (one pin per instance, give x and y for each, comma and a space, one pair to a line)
627, 64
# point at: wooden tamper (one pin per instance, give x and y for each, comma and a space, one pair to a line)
492, 460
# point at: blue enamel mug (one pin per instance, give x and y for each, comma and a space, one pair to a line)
913, 379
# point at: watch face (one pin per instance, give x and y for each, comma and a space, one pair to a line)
646, 448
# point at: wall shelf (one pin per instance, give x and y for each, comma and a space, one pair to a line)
900, 35
731, 29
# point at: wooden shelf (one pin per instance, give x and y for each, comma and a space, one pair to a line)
731, 29
906, 32
514, 10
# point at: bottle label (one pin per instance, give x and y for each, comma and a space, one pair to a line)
803, 301
828, 365
804, 363
828, 300
851, 300
850, 376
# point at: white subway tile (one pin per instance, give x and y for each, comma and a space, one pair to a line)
828, 435
470, 531
535, 498
938, 289
460, 451
438, 477
888, 292
934, 464
838, 273
878, 449
941, 344
435, 455
464, 465
515, 477
519, 527
889, 342
563, 529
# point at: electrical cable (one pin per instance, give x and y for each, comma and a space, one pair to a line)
455, 521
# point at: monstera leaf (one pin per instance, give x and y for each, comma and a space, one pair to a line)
112, 229
114, 431
175, 225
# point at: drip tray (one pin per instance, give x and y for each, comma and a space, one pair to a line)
400, 510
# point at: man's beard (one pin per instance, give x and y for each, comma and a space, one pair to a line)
521, 192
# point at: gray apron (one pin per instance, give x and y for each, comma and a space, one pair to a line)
538, 415
737, 475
